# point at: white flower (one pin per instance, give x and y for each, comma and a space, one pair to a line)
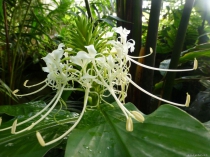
123, 33
107, 35
108, 70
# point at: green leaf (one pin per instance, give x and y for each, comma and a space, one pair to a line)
195, 54
1, 9
26, 144
207, 125
168, 131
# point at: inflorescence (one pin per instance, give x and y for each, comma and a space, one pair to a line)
107, 70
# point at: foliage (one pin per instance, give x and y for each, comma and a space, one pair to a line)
26, 31
167, 131
85, 33
54, 125
169, 25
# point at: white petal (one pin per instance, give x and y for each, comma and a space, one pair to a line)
82, 55
45, 69
69, 49
60, 46
57, 54
91, 50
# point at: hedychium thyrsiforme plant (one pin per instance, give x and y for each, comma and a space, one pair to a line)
97, 73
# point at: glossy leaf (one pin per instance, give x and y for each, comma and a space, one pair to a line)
196, 54
168, 131
26, 144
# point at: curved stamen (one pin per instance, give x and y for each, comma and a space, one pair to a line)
40, 112
26, 81
41, 140
151, 51
154, 96
45, 115
74, 89
160, 69
15, 91
111, 90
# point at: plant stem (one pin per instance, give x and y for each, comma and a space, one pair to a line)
7, 37
179, 42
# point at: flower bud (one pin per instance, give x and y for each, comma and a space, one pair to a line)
14, 125
129, 124
187, 100
138, 116
40, 139
195, 66
24, 84
15, 91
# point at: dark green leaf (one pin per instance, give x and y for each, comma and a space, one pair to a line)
168, 131
25, 144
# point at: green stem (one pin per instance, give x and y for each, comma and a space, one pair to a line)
15, 58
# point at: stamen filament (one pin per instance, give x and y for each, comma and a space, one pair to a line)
111, 90
45, 115
33, 84
87, 90
151, 51
40, 112
31, 92
74, 89
154, 96
159, 69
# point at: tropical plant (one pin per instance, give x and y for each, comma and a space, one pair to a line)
96, 63
27, 28
96, 72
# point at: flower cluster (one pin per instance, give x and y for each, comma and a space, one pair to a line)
96, 73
